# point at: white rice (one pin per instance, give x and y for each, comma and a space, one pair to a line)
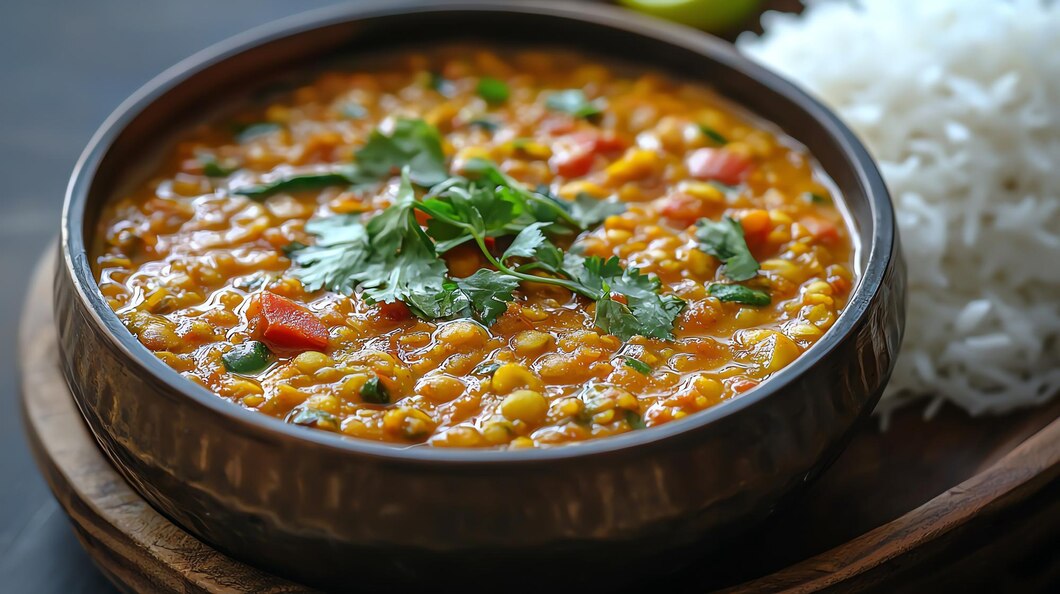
959, 101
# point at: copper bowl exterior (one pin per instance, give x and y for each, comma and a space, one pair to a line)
342, 513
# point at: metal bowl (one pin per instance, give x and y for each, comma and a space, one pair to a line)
341, 513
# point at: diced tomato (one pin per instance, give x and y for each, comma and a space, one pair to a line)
610, 143
285, 324
396, 311
824, 230
619, 298
683, 208
718, 164
421, 217
573, 155
557, 124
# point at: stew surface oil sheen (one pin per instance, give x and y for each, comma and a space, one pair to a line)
212, 266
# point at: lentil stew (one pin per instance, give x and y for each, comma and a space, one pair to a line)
480, 249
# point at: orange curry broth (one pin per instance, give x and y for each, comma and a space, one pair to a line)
184, 263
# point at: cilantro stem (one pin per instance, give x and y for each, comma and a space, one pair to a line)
569, 285
559, 210
480, 240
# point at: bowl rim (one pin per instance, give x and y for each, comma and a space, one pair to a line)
77, 265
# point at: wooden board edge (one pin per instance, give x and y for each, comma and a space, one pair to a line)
884, 552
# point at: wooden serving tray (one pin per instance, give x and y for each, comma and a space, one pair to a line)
926, 505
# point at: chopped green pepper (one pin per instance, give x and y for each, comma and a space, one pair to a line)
739, 294
374, 392
248, 357
638, 366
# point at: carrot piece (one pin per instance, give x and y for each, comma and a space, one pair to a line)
285, 324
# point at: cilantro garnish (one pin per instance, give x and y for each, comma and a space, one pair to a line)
414, 144
441, 84
589, 211
391, 257
574, 102
311, 416
635, 420
486, 368
353, 110
211, 167
725, 241
493, 90
639, 366
645, 312
739, 294
252, 131
484, 123
298, 182
374, 391
713, 134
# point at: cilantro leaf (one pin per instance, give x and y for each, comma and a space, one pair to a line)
725, 241
489, 293
441, 84
390, 258
589, 211
574, 102
639, 366
486, 368
484, 123
616, 318
635, 420
645, 313
739, 294
713, 134
353, 110
526, 242
492, 90
252, 131
414, 143
341, 251
375, 392
311, 416
211, 167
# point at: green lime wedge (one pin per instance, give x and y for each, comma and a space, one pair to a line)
715, 16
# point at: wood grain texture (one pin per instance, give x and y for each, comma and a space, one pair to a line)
922, 504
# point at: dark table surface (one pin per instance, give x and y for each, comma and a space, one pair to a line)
66, 65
